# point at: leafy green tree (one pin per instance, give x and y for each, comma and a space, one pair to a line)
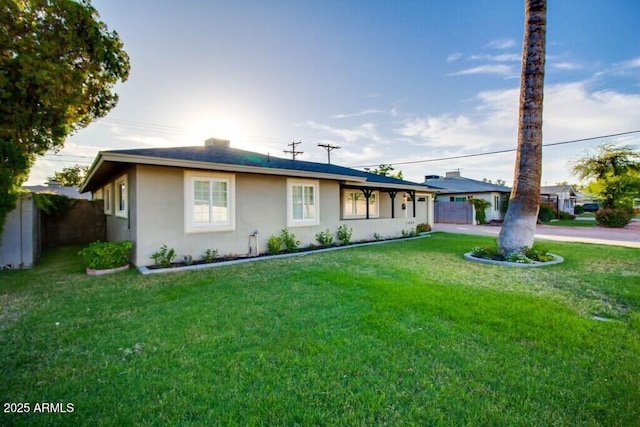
615, 174
385, 170
58, 66
71, 176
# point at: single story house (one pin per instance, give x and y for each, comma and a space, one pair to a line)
454, 191
217, 197
560, 197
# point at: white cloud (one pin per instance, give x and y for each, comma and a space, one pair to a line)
365, 131
504, 57
630, 64
454, 57
565, 65
498, 69
501, 44
571, 112
358, 114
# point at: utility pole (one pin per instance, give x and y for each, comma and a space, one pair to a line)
293, 151
329, 148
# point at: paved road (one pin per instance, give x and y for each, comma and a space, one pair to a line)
629, 236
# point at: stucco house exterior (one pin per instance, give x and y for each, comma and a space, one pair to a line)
454, 191
218, 197
560, 197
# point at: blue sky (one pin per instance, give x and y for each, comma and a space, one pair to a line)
387, 81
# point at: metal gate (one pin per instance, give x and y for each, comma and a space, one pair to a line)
453, 212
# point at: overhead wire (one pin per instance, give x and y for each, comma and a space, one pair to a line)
510, 150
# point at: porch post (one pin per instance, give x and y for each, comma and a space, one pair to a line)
392, 195
367, 193
412, 193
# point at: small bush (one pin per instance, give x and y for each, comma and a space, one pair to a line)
614, 218
188, 259
579, 209
289, 240
546, 213
164, 257
423, 228
106, 255
344, 234
377, 236
210, 255
537, 253
566, 215
480, 205
325, 238
518, 257
408, 233
274, 243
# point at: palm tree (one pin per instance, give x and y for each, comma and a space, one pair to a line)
518, 229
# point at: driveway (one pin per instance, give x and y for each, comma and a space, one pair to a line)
628, 236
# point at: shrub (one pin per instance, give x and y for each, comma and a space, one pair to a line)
377, 236
614, 218
188, 259
325, 238
210, 255
274, 243
566, 215
537, 253
518, 257
423, 228
344, 234
164, 257
289, 240
579, 209
546, 213
480, 205
106, 255
408, 233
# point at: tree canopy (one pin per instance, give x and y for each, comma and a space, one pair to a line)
58, 66
71, 176
385, 170
615, 174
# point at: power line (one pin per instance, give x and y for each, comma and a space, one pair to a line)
464, 156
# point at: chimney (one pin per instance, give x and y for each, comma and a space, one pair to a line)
453, 174
217, 142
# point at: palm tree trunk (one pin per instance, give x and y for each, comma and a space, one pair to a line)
518, 229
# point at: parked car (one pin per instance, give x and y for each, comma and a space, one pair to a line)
591, 207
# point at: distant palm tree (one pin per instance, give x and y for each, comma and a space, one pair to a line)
518, 229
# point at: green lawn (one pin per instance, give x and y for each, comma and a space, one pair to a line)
404, 333
572, 223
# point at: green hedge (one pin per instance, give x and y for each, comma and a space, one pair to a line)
105, 255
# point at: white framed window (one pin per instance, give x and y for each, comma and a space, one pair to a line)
122, 198
108, 199
303, 202
209, 202
354, 204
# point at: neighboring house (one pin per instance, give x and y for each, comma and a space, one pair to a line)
560, 197
453, 193
216, 197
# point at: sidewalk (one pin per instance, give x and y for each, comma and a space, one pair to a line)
628, 236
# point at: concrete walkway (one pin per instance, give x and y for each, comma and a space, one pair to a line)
628, 236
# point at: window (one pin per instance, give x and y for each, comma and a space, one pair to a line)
302, 203
108, 208
496, 203
121, 197
354, 204
209, 202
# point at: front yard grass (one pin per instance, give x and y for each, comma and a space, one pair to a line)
404, 333
572, 223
